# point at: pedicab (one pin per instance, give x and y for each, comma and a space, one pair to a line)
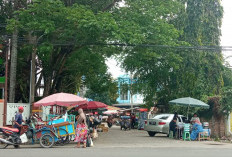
10, 136
61, 127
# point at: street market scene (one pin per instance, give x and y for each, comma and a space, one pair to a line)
115, 78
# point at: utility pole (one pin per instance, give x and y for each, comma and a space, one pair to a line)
131, 92
33, 41
6, 82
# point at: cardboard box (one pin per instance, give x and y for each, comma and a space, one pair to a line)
105, 129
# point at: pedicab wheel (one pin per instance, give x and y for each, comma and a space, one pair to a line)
46, 141
3, 145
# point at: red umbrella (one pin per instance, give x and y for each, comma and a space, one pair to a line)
61, 99
92, 105
143, 109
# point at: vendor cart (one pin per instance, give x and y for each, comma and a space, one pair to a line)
63, 130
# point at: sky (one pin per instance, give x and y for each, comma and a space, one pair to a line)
226, 40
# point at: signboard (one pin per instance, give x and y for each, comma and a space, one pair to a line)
12, 109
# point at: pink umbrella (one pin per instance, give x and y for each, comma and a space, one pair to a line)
61, 99
92, 105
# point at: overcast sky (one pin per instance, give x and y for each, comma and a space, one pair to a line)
226, 39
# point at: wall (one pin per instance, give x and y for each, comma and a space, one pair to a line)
1, 113
12, 109
217, 126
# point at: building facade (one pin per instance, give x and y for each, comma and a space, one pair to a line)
126, 98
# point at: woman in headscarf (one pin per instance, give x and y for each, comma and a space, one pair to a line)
197, 127
81, 129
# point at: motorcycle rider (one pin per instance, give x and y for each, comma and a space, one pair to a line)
19, 119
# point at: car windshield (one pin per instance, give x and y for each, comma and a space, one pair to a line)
164, 117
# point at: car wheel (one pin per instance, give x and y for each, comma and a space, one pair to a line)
151, 134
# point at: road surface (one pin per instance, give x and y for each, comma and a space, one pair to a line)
134, 143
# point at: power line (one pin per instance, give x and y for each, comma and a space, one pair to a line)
206, 48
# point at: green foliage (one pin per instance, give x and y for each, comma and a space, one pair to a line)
168, 73
226, 106
62, 36
70, 38
102, 88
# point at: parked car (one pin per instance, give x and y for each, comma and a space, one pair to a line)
160, 123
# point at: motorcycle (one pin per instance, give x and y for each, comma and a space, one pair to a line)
125, 123
10, 136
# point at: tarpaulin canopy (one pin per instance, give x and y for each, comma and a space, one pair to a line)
93, 105
61, 99
112, 108
111, 112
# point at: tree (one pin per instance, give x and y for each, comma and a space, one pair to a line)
61, 36
168, 73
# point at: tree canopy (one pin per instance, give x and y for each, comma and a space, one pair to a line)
73, 38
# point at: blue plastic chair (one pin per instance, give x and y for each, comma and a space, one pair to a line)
170, 135
186, 134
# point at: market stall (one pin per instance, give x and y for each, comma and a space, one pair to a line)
58, 119
58, 104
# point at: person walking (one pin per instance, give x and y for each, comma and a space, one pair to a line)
133, 118
19, 119
81, 129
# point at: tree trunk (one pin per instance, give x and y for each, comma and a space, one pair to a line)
33, 71
47, 85
13, 66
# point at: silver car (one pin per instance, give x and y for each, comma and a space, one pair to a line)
160, 123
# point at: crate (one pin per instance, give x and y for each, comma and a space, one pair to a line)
105, 129
101, 125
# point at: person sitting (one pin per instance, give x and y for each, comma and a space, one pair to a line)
195, 117
173, 126
175, 115
196, 128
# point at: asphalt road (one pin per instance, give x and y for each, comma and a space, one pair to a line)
134, 143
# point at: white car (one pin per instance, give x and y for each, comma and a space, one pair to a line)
160, 123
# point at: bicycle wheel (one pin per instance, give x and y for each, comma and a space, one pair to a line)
63, 136
46, 140
3, 144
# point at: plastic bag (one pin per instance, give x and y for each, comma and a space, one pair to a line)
91, 142
23, 138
